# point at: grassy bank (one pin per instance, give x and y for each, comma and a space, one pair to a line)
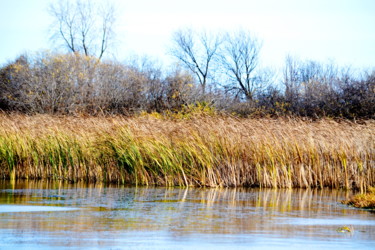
363, 200
198, 151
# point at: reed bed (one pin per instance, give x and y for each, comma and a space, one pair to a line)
198, 151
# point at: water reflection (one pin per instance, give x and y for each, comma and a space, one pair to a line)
110, 215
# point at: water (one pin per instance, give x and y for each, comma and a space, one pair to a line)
55, 215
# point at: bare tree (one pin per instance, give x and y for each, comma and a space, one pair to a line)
196, 51
292, 79
82, 26
239, 58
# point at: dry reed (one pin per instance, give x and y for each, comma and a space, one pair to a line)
199, 151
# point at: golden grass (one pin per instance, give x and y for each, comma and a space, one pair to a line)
199, 151
362, 200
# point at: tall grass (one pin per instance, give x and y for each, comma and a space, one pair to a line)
198, 151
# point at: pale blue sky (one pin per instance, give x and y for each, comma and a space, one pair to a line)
339, 30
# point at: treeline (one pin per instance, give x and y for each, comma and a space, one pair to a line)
74, 83
216, 70
77, 84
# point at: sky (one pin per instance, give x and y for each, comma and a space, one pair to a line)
342, 31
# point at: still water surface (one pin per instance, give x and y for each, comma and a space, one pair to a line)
56, 215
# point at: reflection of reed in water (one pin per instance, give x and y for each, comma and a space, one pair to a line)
178, 211
258, 198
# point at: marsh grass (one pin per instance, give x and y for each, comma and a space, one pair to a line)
362, 200
200, 150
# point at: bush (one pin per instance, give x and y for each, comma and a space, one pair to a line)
73, 84
77, 84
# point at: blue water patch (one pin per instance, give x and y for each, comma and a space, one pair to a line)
327, 222
19, 208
